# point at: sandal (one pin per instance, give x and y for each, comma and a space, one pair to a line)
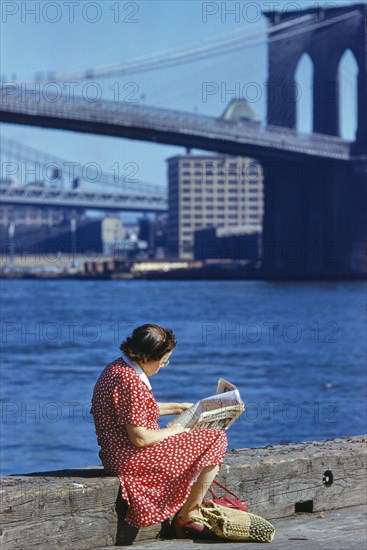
190, 528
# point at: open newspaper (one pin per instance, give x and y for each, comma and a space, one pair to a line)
217, 411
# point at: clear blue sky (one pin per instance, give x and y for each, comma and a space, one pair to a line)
125, 31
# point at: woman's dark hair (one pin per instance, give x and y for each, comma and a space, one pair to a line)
148, 343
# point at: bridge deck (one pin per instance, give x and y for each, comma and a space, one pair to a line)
46, 196
166, 126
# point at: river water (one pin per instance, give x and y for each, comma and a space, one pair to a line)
295, 350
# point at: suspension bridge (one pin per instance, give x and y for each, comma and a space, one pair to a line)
313, 209
58, 182
20, 104
170, 127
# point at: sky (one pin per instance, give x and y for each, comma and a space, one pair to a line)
67, 36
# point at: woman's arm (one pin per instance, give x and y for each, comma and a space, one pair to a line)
173, 408
142, 437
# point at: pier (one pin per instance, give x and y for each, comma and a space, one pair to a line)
294, 486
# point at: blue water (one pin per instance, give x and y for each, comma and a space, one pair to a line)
296, 351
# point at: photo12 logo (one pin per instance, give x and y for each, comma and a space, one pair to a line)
70, 11
69, 172
252, 92
252, 12
270, 332
45, 412
68, 91
63, 333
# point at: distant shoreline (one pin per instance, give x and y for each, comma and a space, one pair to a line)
170, 276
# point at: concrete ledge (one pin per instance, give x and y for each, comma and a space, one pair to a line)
81, 508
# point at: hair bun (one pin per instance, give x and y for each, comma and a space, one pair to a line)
148, 343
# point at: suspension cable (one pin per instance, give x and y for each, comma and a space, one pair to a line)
162, 61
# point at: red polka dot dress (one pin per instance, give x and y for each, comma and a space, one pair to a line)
155, 480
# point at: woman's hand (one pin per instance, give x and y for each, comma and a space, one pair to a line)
173, 408
178, 429
181, 407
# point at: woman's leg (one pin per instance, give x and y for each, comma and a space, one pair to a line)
198, 490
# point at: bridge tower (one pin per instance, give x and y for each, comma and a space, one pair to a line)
325, 46
314, 221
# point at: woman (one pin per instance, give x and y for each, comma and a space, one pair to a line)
161, 471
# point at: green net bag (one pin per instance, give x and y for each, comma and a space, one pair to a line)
229, 523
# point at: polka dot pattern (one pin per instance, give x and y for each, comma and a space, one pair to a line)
155, 480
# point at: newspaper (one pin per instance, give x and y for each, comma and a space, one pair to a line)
218, 411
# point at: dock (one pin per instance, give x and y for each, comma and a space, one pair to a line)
314, 493
343, 529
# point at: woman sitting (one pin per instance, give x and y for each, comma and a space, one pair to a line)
162, 471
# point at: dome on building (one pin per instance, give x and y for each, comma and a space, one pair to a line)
238, 110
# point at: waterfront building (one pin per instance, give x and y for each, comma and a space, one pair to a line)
34, 216
217, 191
112, 234
154, 233
227, 244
